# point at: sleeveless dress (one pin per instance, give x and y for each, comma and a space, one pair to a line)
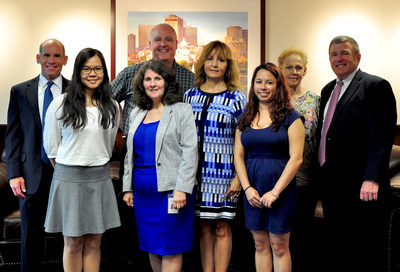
267, 154
159, 232
216, 116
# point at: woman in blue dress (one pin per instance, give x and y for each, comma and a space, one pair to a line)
160, 167
217, 106
269, 145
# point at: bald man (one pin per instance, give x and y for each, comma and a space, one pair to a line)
28, 170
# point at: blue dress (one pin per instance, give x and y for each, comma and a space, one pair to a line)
267, 153
159, 232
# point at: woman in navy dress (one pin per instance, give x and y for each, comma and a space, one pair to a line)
160, 167
269, 145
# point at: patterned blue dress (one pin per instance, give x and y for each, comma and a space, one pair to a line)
216, 116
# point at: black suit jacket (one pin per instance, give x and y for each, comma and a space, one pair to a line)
24, 134
361, 134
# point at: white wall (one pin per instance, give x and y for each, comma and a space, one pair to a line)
25, 24
311, 24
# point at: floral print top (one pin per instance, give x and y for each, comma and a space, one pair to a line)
307, 105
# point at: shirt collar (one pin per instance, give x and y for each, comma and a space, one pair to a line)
348, 79
43, 81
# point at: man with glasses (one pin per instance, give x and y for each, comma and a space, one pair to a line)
28, 169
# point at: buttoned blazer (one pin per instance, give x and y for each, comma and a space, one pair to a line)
360, 137
176, 149
24, 134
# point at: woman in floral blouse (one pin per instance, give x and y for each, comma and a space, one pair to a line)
293, 63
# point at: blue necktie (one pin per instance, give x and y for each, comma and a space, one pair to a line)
48, 97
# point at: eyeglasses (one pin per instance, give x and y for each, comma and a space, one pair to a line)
295, 68
87, 70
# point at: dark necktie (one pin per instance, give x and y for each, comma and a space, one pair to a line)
48, 97
327, 122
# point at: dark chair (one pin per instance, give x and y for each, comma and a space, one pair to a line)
393, 234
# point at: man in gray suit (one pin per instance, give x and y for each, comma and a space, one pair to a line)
28, 170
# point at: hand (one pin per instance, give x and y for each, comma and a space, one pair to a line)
128, 198
268, 198
234, 191
369, 191
18, 186
253, 197
179, 200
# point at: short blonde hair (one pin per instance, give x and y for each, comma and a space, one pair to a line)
231, 76
293, 51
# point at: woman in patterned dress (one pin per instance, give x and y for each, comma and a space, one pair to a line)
217, 105
293, 64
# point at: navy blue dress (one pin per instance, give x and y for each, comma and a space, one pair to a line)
159, 232
267, 153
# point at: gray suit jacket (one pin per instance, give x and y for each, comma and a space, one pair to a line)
176, 149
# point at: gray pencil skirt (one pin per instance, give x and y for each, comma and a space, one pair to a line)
81, 201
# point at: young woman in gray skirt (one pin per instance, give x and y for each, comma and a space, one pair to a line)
79, 135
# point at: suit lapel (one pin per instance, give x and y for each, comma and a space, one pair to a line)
137, 120
31, 93
325, 97
65, 83
348, 94
162, 128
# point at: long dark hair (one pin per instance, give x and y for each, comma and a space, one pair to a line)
280, 104
74, 104
171, 88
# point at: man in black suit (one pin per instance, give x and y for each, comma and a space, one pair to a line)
355, 140
29, 172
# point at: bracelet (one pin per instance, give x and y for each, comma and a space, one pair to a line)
274, 195
247, 188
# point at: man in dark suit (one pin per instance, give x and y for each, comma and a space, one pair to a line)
29, 172
355, 137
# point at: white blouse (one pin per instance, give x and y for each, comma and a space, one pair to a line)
90, 146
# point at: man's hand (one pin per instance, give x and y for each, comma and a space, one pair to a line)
18, 186
369, 190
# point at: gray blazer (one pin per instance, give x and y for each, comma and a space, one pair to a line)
176, 149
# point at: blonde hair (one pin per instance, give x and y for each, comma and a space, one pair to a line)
231, 76
293, 51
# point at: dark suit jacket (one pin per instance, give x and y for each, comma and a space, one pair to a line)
360, 137
24, 134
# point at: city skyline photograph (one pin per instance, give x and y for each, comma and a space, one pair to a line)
194, 30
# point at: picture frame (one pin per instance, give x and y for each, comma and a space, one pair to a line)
119, 24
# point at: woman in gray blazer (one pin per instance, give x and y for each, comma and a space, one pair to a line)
160, 167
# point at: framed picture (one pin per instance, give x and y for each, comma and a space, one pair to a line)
239, 24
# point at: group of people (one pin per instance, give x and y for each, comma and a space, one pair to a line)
194, 144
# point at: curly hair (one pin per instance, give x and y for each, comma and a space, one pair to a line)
280, 104
231, 76
171, 88
293, 51
74, 104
